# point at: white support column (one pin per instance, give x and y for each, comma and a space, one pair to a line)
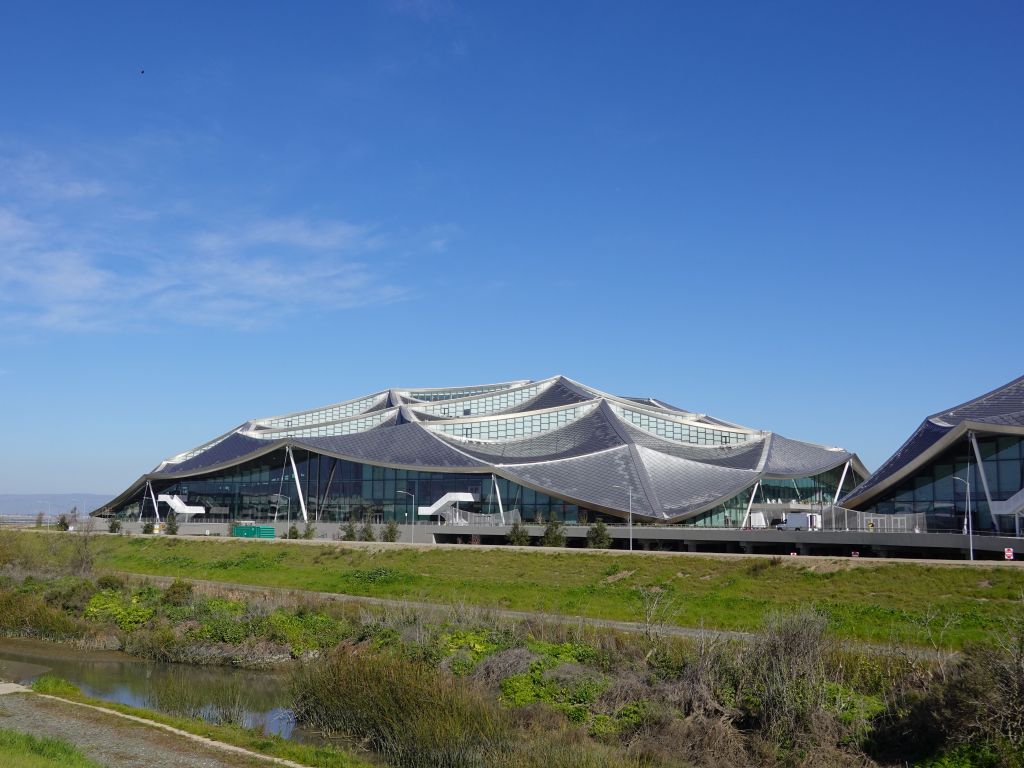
156, 508
981, 469
497, 489
839, 490
327, 491
753, 493
298, 485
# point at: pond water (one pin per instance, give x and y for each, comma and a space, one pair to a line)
252, 699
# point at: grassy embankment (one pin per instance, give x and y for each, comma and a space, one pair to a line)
273, 746
20, 750
874, 602
462, 687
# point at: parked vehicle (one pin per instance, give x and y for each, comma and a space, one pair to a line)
799, 521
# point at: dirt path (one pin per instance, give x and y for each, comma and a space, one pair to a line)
113, 740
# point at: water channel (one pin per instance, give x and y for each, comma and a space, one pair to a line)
252, 699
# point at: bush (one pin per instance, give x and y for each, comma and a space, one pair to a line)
390, 532
110, 581
598, 536
171, 524
788, 675
147, 527
348, 533
293, 532
309, 532
29, 615
412, 716
178, 593
127, 612
554, 534
517, 535
63, 523
113, 525
366, 532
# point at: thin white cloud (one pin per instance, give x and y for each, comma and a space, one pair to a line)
289, 232
77, 256
37, 175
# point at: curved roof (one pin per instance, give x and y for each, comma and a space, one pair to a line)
555, 435
1000, 411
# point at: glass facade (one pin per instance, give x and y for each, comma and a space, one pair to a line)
512, 427
345, 427
481, 406
336, 490
434, 395
322, 415
816, 489
933, 492
680, 431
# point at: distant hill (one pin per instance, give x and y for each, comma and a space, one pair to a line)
50, 503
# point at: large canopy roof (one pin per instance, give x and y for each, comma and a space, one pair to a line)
556, 436
1000, 411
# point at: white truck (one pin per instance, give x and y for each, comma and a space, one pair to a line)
799, 521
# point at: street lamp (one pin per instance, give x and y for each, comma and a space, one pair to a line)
412, 496
629, 489
970, 526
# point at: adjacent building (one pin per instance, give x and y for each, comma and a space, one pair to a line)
970, 456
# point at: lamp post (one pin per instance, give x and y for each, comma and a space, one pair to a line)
970, 525
412, 496
629, 490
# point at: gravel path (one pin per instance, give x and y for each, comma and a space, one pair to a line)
110, 740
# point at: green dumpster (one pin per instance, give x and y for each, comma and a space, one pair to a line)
253, 531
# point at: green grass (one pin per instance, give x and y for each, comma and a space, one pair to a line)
895, 601
275, 746
20, 750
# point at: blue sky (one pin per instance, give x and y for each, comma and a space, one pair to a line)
801, 216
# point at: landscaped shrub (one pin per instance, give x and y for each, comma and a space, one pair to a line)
348, 532
171, 524
598, 536
554, 534
147, 527
390, 532
113, 525
517, 535
63, 523
366, 532
309, 531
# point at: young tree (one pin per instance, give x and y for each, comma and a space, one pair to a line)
366, 531
82, 554
63, 523
309, 532
39, 520
598, 536
348, 533
293, 532
113, 525
147, 527
390, 532
517, 535
171, 524
554, 534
